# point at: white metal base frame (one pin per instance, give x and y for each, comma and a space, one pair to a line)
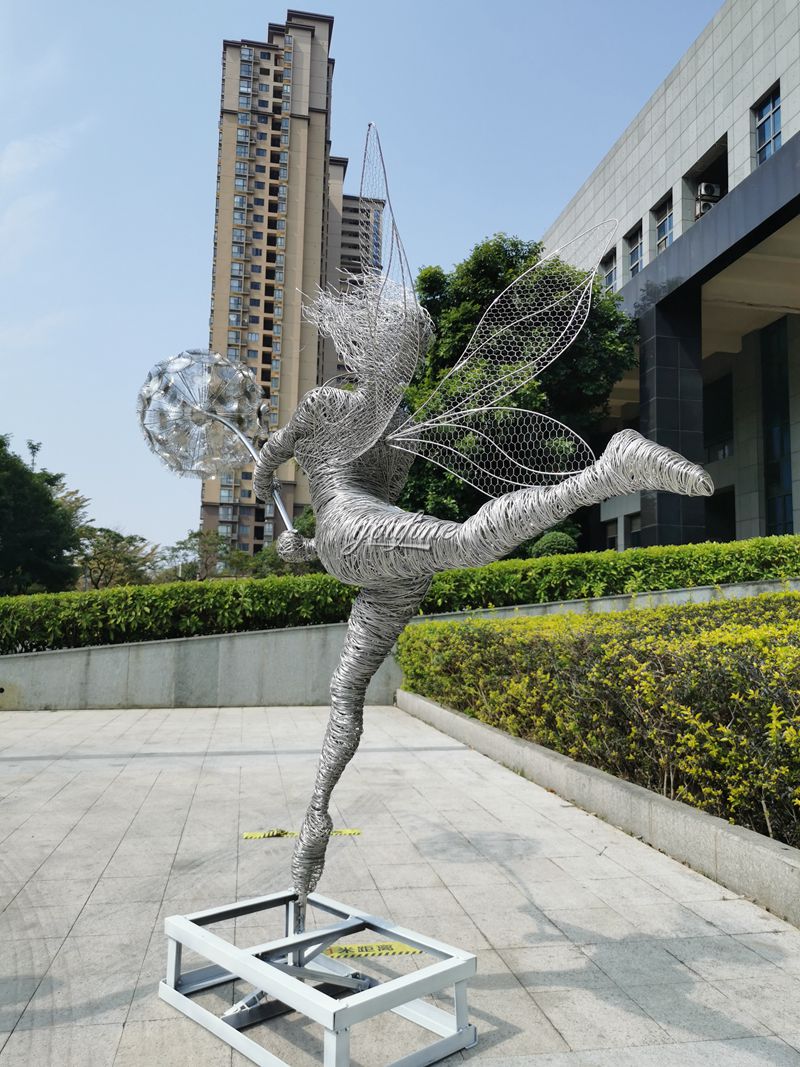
282, 974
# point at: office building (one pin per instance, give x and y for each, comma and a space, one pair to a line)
705, 183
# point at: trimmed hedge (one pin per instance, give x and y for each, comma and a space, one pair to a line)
189, 609
700, 703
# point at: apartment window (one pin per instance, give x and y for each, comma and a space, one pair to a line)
284, 122
263, 119
224, 529
663, 219
256, 251
283, 173
280, 242
252, 353
251, 337
276, 364
234, 319
244, 85
247, 476
260, 168
233, 353
256, 268
233, 337
255, 286
244, 118
240, 201
226, 512
277, 329
260, 185
241, 168
634, 243
254, 303
246, 494
276, 347
253, 319
244, 531
246, 68
280, 224
258, 235
261, 152
280, 258
243, 135
239, 215
284, 138
244, 101
236, 285
260, 136
273, 418
247, 53
237, 268
242, 149
237, 250
263, 87
767, 117
238, 236
240, 183
278, 275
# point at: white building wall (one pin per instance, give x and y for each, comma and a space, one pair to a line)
747, 47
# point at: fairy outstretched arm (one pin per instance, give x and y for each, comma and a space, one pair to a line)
280, 446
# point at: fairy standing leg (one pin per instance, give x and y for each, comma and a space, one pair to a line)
377, 619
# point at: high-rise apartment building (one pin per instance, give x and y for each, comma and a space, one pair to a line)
277, 234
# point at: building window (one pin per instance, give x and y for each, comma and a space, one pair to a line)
241, 168
663, 219
239, 216
718, 418
258, 218
634, 243
608, 271
246, 494
247, 53
233, 353
243, 135
767, 117
611, 535
247, 476
776, 427
252, 337
240, 201
242, 149
240, 183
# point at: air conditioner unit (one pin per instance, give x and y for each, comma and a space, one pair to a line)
708, 191
702, 207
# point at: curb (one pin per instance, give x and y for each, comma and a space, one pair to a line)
749, 864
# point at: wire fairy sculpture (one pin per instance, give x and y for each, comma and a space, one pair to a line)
356, 441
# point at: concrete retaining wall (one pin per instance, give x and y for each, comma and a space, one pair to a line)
266, 668
754, 866
262, 668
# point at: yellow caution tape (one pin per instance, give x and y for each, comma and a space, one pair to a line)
379, 948
259, 835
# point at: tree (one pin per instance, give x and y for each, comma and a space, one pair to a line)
38, 534
575, 389
201, 554
108, 557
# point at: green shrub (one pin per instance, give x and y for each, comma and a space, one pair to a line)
700, 703
553, 543
187, 609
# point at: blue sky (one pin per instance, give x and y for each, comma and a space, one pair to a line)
491, 116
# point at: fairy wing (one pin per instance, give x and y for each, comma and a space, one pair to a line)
461, 425
375, 323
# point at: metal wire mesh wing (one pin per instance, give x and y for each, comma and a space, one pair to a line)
461, 426
374, 321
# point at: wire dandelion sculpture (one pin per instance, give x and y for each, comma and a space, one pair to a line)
356, 443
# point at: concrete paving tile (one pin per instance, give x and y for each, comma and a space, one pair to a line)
738, 916
39, 892
403, 875
781, 948
621, 892
735, 1052
518, 928
721, 958
128, 890
475, 873
170, 1043
585, 926
582, 868
561, 894
505, 897
772, 1000
554, 966
404, 904
696, 1011
630, 963
136, 919
20, 922
23, 964
65, 1046
598, 1018
666, 920
91, 980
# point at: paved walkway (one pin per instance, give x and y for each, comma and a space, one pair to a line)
593, 949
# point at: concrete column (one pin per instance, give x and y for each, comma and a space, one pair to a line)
671, 408
748, 450
793, 343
